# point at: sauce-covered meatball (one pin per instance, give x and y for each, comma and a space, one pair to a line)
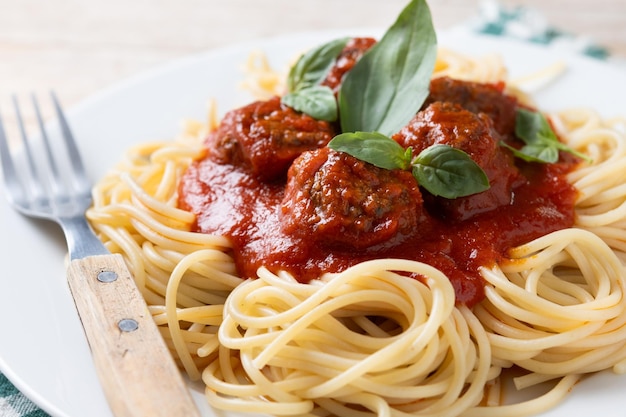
337, 200
450, 124
477, 98
351, 53
266, 136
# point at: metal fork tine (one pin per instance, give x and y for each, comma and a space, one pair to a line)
7, 163
33, 185
55, 184
24, 136
75, 159
14, 190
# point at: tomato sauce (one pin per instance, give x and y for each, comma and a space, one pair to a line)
317, 210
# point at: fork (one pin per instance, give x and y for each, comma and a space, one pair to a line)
138, 375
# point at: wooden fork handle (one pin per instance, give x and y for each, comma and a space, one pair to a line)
137, 372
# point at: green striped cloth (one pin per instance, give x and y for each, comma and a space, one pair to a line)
518, 22
530, 25
14, 404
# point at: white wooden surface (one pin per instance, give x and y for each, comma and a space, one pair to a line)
77, 47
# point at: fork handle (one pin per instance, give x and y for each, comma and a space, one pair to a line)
137, 372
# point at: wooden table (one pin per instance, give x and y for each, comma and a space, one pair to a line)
78, 47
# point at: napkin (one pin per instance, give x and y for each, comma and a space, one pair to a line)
14, 404
492, 19
530, 25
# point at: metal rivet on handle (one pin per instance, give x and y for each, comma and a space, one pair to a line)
107, 276
128, 325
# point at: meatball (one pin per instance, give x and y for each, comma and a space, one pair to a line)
351, 53
337, 200
477, 98
450, 124
266, 136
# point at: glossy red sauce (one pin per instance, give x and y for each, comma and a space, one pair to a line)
321, 211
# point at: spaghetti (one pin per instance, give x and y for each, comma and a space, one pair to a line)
368, 341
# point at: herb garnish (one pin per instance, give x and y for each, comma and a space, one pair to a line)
541, 143
317, 101
384, 91
304, 92
441, 169
389, 84
380, 95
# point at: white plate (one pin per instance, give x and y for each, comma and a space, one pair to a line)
42, 347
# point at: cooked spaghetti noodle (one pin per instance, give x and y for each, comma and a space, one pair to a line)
368, 341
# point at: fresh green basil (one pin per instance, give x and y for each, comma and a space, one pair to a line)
541, 143
390, 82
304, 92
374, 148
313, 66
316, 101
441, 169
449, 172
379, 96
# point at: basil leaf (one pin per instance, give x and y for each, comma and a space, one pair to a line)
561, 146
542, 144
313, 66
316, 101
449, 172
532, 127
374, 148
389, 84
542, 152
538, 152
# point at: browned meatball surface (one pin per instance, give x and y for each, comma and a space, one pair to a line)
338, 200
266, 136
477, 98
450, 124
